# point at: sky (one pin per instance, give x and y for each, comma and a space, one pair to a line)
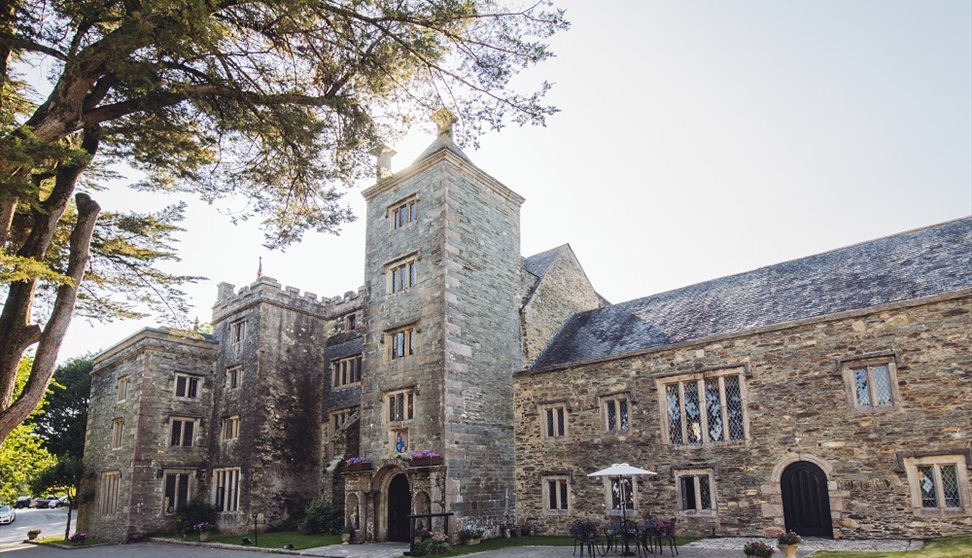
696, 139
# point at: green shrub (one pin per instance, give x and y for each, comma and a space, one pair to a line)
320, 517
194, 513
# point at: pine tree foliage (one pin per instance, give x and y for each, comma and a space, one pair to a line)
275, 104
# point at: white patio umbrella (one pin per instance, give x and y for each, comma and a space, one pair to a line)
622, 470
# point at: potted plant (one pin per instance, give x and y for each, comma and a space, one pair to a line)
470, 536
788, 543
347, 534
758, 548
439, 544
204, 529
78, 538
357, 464
426, 458
32, 534
509, 522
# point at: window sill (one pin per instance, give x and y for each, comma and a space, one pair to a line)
710, 445
557, 512
871, 410
696, 513
941, 512
346, 386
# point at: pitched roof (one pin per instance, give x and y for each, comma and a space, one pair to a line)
910, 265
538, 264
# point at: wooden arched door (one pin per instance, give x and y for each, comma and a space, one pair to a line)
806, 502
399, 508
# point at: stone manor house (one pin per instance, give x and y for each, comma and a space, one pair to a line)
830, 394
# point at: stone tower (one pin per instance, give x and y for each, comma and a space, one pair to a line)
442, 270
264, 444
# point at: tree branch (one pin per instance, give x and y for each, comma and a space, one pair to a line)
20, 43
163, 99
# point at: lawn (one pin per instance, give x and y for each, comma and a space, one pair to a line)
951, 547
279, 539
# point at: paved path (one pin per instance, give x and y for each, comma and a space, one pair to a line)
705, 548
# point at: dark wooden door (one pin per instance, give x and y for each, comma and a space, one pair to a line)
806, 503
399, 507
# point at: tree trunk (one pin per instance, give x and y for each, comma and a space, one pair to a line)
53, 333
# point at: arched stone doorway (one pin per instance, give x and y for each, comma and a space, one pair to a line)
806, 501
399, 506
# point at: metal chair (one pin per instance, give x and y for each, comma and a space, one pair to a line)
667, 531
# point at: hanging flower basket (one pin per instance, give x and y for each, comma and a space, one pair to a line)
426, 458
352, 464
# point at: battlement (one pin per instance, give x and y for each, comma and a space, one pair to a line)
268, 289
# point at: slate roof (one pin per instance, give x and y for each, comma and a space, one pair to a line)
343, 349
910, 265
538, 264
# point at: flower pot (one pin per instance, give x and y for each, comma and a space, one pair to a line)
358, 467
473, 541
204, 536
789, 550
345, 538
427, 461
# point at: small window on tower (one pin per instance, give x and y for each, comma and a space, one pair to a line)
238, 330
404, 212
400, 275
399, 343
187, 386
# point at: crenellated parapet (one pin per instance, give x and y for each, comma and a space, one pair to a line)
230, 301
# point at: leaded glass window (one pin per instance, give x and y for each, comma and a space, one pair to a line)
926, 482
713, 408
695, 491
939, 482
554, 421
674, 414
622, 489
705, 410
557, 494
693, 418
872, 385
615, 411
734, 407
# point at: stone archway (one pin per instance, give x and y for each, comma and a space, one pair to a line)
388, 499
773, 492
806, 501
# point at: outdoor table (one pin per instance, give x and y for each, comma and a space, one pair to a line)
620, 536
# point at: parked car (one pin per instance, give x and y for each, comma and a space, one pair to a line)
65, 500
22, 502
50, 502
7, 515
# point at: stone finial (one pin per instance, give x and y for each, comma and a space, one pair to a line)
384, 155
444, 119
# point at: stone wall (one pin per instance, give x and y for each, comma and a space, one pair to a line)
798, 407
150, 359
482, 349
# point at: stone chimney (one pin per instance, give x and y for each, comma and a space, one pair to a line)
224, 291
384, 155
